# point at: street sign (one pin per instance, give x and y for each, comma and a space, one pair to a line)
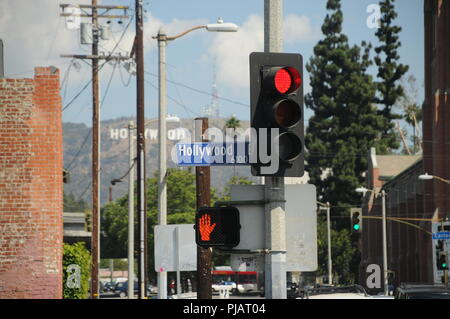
212, 154
440, 244
247, 262
175, 248
301, 225
441, 235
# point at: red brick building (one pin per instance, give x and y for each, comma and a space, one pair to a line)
31, 186
410, 248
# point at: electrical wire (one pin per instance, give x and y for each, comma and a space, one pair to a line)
200, 91
90, 130
128, 172
174, 100
100, 67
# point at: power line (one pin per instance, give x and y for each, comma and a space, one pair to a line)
200, 91
79, 150
100, 67
174, 100
90, 130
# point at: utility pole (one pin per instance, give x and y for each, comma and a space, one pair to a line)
131, 213
385, 263
140, 113
95, 157
275, 217
203, 190
94, 57
162, 158
330, 262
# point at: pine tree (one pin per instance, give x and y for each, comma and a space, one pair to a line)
389, 73
345, 123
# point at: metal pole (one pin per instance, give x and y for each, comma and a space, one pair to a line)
162, 182
95, 158
385, 263
445, 250
131, 213
330, 262
178, 244
203, 189
275, 219
140, 112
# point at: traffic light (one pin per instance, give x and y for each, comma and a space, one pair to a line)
441, 254
442, 261
276, 113
356, 219
217, 227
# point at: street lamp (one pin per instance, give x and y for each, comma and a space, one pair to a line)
363, 190
162, 38
426, 177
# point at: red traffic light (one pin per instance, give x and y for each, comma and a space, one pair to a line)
287, 80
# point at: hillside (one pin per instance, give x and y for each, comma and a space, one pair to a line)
114, 156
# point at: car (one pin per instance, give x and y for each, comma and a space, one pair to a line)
332, 292
216, 286
108, 286
121, 289
292, 290
422, 291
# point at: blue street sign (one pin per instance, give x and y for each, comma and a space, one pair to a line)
441, 235
212, 154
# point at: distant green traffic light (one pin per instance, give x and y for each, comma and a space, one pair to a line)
356, 227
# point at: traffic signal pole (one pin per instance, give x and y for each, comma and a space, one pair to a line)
203, 191
275, 217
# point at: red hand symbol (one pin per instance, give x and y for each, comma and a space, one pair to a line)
205, 227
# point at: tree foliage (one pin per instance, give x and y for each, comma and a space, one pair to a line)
345, 123
73, 205
76, 254
342, 253
390, 72
181, 207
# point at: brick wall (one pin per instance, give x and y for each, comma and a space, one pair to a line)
31, 189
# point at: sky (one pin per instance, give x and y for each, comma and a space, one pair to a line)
35, 35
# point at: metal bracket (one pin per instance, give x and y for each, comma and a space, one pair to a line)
248, 251
241, 203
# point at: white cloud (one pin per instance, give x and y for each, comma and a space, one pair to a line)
232, 49
36, 35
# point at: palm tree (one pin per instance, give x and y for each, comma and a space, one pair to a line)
232, 123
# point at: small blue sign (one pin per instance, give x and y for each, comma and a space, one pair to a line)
213, 154
441, 235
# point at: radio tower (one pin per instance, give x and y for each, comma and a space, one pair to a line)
212, 111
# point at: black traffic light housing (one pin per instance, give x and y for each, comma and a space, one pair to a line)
442, 257
217, 227
356, 219
442, 261
276, 101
